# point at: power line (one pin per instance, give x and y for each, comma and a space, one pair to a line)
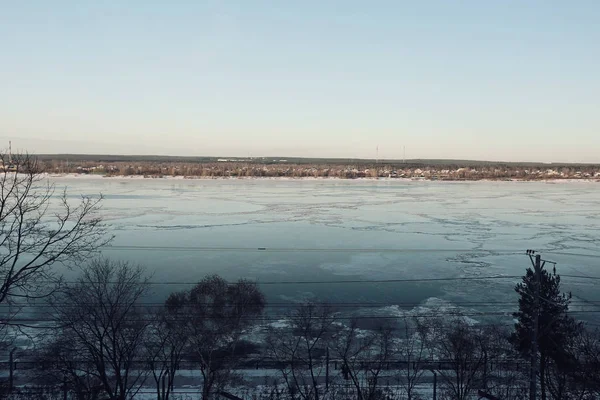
581, 277
333, 305
333, 250
351, 281
561, 253
276, 318
300, 250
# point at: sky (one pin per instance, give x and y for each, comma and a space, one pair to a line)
488, 80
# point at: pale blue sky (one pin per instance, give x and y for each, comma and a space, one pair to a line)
501, 80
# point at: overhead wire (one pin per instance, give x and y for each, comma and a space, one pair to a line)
321, 282
337, 282
337, 250
278, 318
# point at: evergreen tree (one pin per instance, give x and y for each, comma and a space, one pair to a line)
555, 327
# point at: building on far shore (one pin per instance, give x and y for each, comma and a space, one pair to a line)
10, 165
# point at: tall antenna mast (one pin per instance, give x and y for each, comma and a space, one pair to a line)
404, 155
10, 152
377, 155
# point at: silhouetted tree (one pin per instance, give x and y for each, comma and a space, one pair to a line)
412, 348
166, 344
588, 344
39, 229
102, 326
364, 357
301, 349
502, 376
556, 327
215, 313
59, 361
580, 378
458, 346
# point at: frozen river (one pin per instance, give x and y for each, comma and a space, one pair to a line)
333, 230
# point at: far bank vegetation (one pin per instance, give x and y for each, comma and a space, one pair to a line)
340, 170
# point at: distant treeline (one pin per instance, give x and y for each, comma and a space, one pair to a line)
450, 163
345, 169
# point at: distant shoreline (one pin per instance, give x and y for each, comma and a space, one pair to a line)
228, 169
289, 179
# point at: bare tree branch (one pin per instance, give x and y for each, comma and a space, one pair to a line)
40, 231
101, 318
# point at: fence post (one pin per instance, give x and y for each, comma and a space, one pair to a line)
434, 386
11, 372
327, 371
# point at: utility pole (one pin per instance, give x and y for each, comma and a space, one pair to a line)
538, 266
65, 389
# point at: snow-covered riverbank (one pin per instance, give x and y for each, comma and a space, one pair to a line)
317, 179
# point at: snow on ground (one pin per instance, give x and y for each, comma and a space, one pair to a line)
425, 391
304, 178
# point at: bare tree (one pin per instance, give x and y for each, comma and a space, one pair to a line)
215, 315
302, 349
413, 350
576, 376
457, 347
589, 357
167, 341
103, 327
59, 361
503, 374
364, 355
39, 229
